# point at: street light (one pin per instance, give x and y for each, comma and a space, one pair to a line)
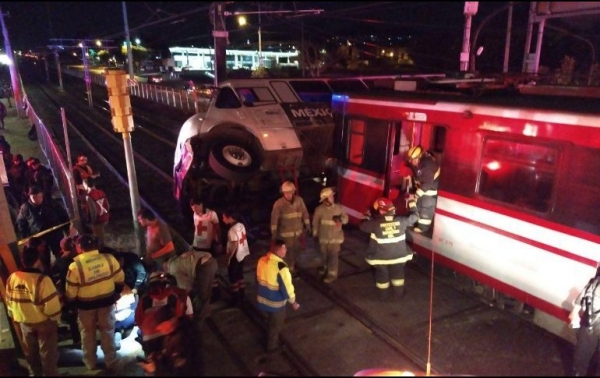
243, 22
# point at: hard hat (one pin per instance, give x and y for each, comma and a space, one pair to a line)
288, 186
325, 193
415, 152
384, 204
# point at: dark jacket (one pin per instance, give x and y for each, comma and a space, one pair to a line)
135, 271
33, 219
387, 244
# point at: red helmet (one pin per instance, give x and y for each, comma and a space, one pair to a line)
384, 204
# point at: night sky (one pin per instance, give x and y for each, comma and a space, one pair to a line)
438, 25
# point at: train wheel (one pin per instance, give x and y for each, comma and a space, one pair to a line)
234, 160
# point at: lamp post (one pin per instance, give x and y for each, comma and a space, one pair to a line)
243, 22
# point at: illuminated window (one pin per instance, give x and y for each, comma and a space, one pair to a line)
356, 143
520, 174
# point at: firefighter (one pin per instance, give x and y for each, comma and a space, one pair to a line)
426, 173
289, 217
32, 301
94, 283
163, 316
327, 228
585, 317
387, 250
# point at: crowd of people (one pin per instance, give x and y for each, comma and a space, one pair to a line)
165, 291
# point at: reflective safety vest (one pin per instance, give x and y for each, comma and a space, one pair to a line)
153, 309
94, 280
387, 244
288, 218
31, 297
275, 287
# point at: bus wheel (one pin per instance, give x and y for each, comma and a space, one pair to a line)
233, 160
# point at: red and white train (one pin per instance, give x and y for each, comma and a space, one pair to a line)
519, 199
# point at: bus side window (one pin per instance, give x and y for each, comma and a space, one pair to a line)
226, 99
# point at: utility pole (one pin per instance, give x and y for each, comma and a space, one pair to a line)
218, 15
469, 11
14, 75
83, 45
128, 41
122, 120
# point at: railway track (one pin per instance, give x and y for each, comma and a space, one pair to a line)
231, 341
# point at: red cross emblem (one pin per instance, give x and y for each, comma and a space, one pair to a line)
200, 228
243, 238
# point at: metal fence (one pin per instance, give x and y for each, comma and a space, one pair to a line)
190, 100
63, 177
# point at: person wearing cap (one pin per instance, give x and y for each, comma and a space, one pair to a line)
40, 214
275, 291
32, 301
327, 222
289, 218
159, 242
387, 251
42, 177
426, 174
94, 283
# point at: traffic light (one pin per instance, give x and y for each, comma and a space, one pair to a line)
120, 103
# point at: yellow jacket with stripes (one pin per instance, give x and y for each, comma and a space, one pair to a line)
31, 297
275, 287
94, 280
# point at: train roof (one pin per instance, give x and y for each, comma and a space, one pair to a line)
502, 98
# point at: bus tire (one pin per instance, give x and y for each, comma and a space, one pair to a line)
234, 160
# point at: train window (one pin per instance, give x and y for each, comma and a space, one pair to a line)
520, 174
356, 141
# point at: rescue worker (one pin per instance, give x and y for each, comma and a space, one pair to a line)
289, 217
32, 301
97, 209
207, 235
159, 242
275, 290
387, 250
81, 172
163, 316
426, 173
236, 252
42, 214
327, 228
194, 272
94, 283
585, 317
60, 270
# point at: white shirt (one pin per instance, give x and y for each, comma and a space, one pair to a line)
237, 233
204, 230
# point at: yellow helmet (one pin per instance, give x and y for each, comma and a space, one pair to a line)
415, 152
325, 193
288, 186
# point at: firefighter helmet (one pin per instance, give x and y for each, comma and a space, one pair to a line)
384, 204
325, 193
415, 152
288, 186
